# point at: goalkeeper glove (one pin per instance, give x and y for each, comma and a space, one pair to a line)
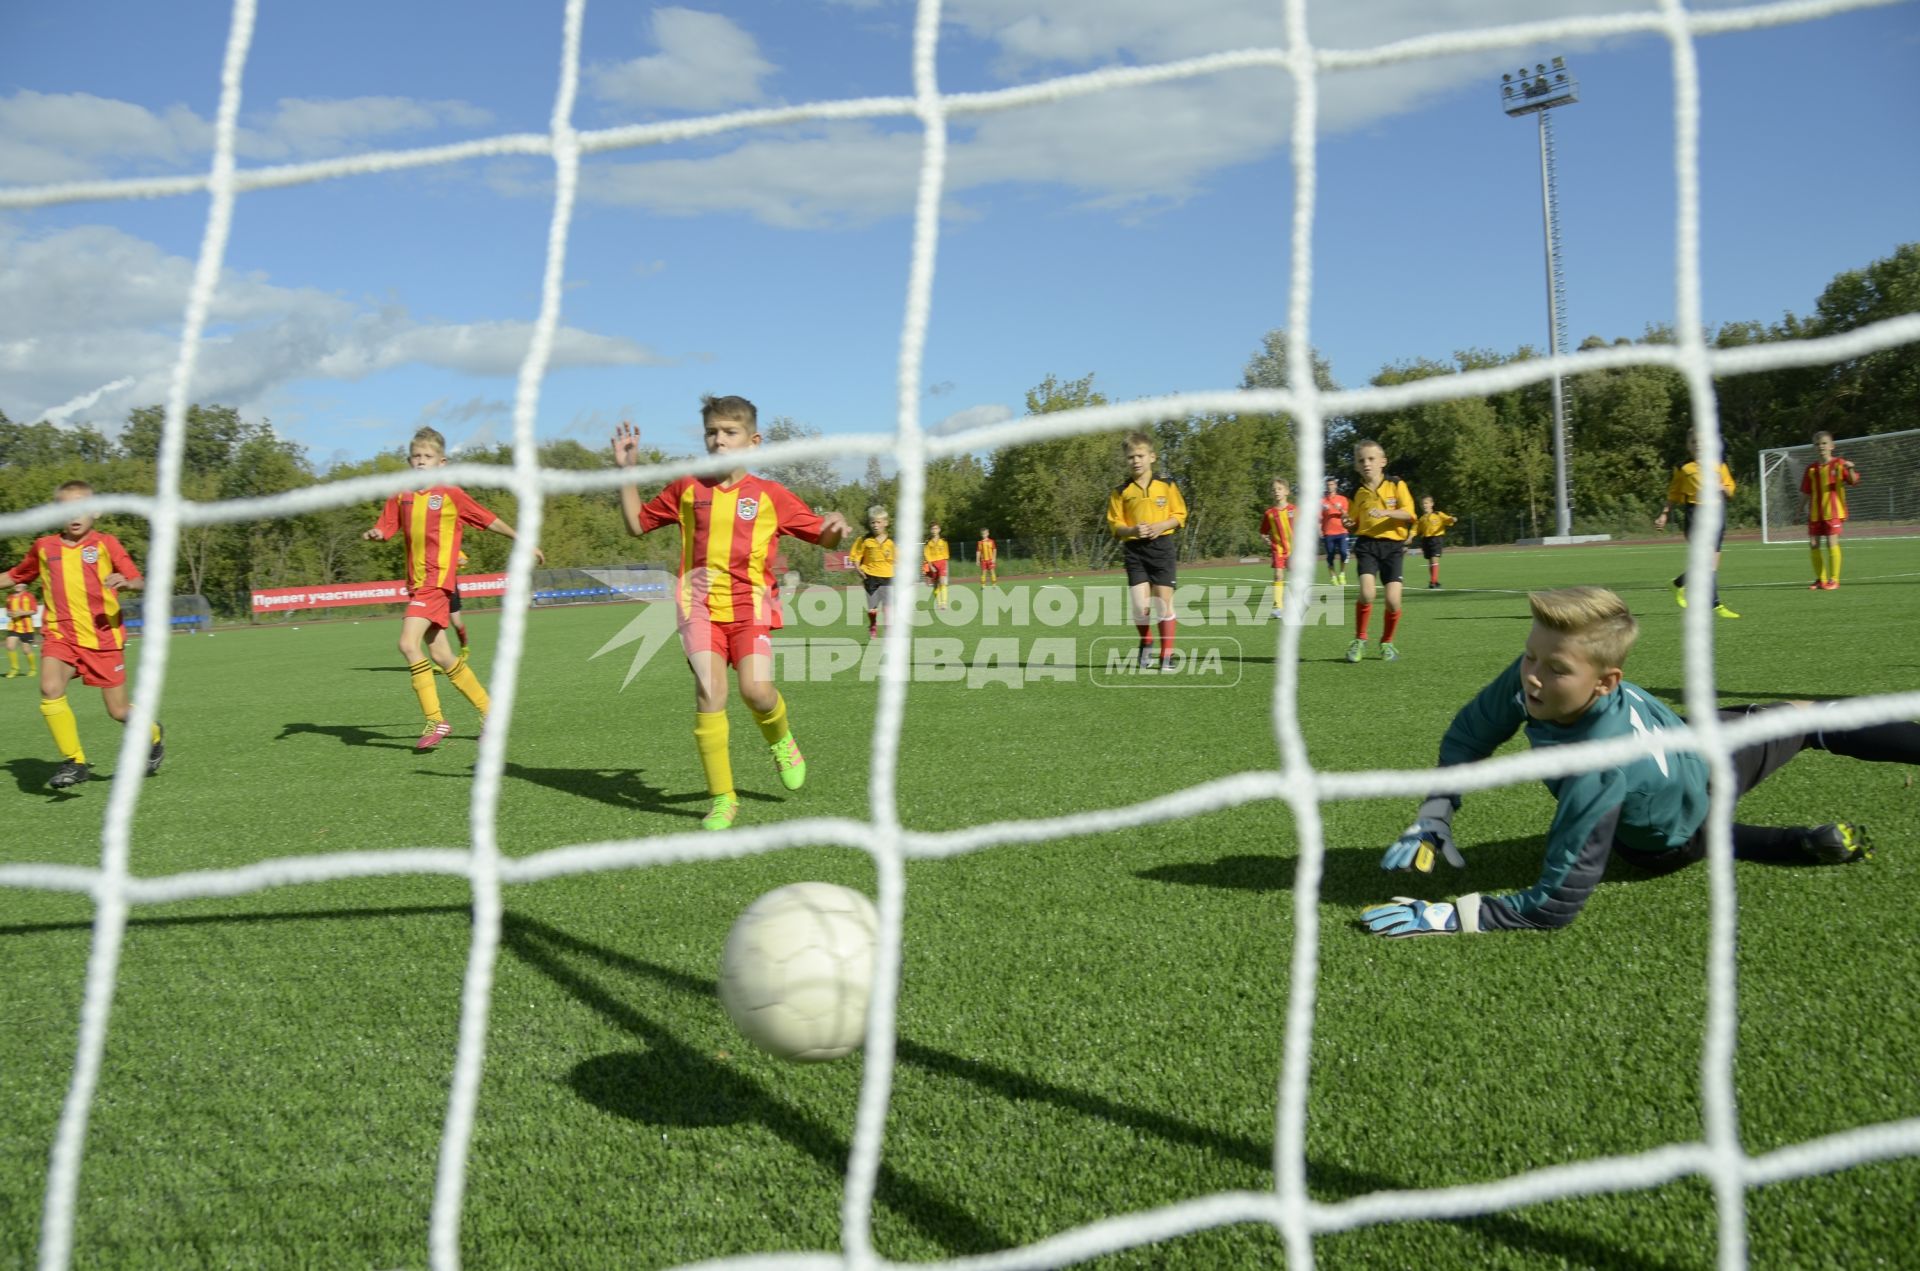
1409, 917
1415, 846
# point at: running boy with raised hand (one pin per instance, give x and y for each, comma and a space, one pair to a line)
1567, 687
1683, 492
82, 572
1431, 529
430, 522
1143, 512
1382, 517
726, 600
1276, 526
872, 557
1333, 532
21, 606
1825, 484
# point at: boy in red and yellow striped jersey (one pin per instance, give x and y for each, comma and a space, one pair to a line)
430, 520
989, 558
726, 599
934, 556
82, 573
1381, 515
1431, 527
1276, 525
21, 606
1825, 484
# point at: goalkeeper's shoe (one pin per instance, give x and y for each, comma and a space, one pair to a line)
1680, 594
1409, 917
792, 764
158, 752
68, 775
434, 735
1720, 610
725, 808
1356, 650
1839, 844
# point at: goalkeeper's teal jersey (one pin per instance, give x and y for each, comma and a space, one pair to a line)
1653, 804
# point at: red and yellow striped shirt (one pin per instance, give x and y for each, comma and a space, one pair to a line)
728, 557
1276, 524
1825, 485
431, 521
81, 608
987, 551
20, 607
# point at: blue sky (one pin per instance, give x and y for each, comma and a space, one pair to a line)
1142, 236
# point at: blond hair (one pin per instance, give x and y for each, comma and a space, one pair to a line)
1368, 443
1139, 439
1596, 618
432, 437
73, 487
738, 408
878, 509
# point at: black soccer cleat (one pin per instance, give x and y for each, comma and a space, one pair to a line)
158, 752
1839, 844
68, 775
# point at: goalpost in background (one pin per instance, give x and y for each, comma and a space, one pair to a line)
1886, 501
1716, 1153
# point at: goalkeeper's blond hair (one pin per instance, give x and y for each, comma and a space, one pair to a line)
1598, 621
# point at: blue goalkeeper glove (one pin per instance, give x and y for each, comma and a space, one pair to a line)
1414, 848
1409, 917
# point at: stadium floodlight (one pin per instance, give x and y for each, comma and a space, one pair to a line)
1537, 92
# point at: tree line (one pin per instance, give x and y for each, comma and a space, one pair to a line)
1486, 459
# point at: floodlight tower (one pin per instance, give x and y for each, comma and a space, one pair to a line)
1537, 93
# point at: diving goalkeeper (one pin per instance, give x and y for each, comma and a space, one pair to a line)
1565, 688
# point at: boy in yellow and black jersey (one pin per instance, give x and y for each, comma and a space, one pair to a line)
1143, 512
1381, 514
1431, 530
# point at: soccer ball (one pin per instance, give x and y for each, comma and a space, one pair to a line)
797, 970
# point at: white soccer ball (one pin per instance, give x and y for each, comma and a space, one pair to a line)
798, 968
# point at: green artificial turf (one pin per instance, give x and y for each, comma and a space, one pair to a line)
1088, 1026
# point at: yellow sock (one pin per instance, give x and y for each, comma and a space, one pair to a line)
155, 739
463, 678
13, 661
33, 659
710, 735
1819, 555
773, 724
1834, 572
424, 689
1279, 591
64, 727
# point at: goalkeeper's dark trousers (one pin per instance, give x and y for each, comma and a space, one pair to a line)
1782, 845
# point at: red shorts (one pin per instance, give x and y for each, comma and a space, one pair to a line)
988, 565
431, 603
1830, 528
100, 668
1279, 557
936, 570
733, 641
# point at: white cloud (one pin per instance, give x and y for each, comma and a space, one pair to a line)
95, 312
47, 137
705, 62
973, 417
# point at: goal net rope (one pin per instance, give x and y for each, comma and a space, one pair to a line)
1716, 1154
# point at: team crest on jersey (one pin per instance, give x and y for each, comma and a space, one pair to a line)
433, 503
1161, 501
90, 554
749, 508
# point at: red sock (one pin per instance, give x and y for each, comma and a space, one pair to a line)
1393, 624
1362, 614
1146, 634
1166, 636
1433, 572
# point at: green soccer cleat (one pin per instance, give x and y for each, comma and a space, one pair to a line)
1356, 650
1388, 653
68, 775
1680, 594
725, 808
792, 764
1721, 611
1839, 844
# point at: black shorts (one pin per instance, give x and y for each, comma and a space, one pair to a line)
453, 599
879, 590
1432, 545
1383, 556
24, 637
1150, 560
1686, 522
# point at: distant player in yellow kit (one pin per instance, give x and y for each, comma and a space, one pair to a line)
934, 557
1430, 528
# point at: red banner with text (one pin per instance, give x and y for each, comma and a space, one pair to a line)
337, 595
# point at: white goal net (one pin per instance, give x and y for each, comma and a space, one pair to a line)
1716, 1153
1887, 500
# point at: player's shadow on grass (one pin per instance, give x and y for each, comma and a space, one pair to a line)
375, 735
622, 788
1353, 875
31, 776
203, 920
405, 669
672, 1084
